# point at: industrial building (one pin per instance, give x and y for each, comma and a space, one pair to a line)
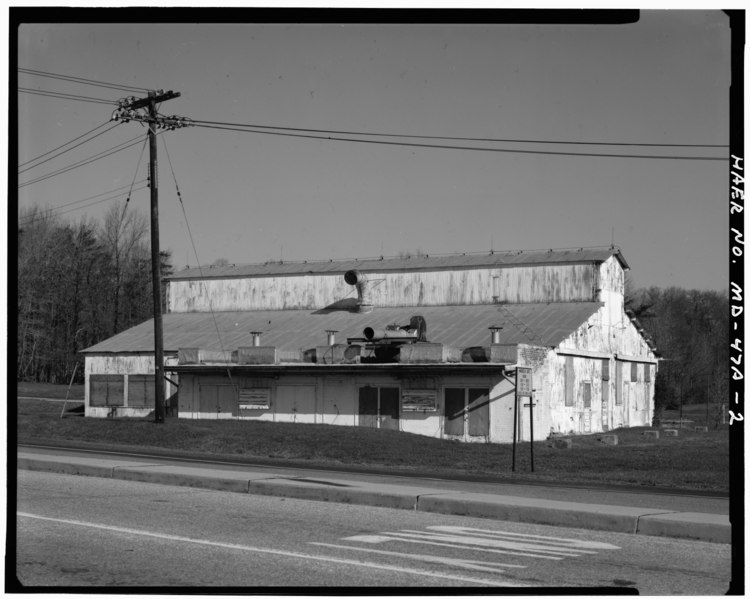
426, 344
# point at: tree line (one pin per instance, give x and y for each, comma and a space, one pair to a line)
691, 331
78, 284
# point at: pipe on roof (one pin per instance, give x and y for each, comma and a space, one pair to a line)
361, 283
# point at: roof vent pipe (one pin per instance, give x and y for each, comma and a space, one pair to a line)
359, 280
495, 334
331, 337
256, 337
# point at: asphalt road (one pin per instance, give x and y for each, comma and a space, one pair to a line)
81, 531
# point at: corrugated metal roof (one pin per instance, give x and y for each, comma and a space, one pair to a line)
456, 326
424, 262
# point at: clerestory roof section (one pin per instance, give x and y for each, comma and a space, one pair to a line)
456, 326
408, 263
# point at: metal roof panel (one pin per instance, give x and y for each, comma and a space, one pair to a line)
456, 326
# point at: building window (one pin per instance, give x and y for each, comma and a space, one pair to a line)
467, 410
634, 372
605, 370
570, 381
647, 373
106, 390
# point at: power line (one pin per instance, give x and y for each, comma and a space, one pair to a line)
69, 149
81, 80
104, 154
93, 197
62, 96
450, 147
479, 139
63, 145
53, 211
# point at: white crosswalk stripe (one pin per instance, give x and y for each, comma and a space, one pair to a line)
479, 540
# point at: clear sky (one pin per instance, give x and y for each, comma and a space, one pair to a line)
251, 197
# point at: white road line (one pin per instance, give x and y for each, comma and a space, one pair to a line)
570, 543
448, 561
469, 542
404, 538
161, 536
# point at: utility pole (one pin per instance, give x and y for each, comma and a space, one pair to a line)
128, 109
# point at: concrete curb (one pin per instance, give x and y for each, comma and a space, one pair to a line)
713, 528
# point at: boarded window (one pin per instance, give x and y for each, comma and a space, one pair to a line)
570, 380
605, 370
141, 391
634, 371
587, 395
106, 390
647, 373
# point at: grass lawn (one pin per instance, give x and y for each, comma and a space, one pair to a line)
692, 460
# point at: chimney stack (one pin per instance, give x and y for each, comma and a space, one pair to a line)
256, 337
495, 329
331, 337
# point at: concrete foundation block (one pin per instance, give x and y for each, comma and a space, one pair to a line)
563, 444
651, 434
609, 439
670, 432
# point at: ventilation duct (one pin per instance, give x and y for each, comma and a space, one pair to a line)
359, 280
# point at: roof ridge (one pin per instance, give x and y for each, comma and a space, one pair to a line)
403, 258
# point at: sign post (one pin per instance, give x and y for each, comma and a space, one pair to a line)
524, 388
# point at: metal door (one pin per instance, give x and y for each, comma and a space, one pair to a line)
454, 412
368, 407
295, 403
219, 399
389, 404
478, 408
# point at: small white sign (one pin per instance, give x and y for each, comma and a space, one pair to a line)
524, 382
